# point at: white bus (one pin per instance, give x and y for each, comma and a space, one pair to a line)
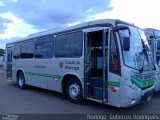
153, 36
107, 61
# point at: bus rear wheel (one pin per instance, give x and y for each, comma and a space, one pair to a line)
74, 91
21, 80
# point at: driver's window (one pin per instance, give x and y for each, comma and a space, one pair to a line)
123, 33
114, 64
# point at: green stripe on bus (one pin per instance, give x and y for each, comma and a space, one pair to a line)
43, 75
117, 84
145, 83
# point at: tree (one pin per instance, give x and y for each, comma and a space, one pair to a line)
1, 52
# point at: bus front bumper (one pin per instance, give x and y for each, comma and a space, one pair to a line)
157, 85
134, 97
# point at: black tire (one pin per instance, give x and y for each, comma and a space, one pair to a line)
74, 91
21, 80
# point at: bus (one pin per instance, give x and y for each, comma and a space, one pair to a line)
106, 61
153, 36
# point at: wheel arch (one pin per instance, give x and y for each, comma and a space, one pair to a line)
66, 78
18, 71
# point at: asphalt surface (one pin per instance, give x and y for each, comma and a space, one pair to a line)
39, 101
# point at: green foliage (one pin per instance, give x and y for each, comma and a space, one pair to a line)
1, 52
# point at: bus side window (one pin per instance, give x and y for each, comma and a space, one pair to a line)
114, 57
44, 48
16, 53
69, 45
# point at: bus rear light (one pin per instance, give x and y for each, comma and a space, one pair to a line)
113, 89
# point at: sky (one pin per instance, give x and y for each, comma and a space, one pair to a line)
19, 18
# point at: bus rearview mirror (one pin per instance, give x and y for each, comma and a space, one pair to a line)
151, 37
126, 44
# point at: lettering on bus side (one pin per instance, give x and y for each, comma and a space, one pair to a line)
72, 65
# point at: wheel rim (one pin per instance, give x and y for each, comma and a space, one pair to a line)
21, 81
74, 90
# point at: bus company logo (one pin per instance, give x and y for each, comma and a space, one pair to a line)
61, 64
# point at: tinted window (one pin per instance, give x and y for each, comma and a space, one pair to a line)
27, 49
16, 53
69, 45
44, 48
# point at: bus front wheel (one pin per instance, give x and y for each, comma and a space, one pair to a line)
74, 91
21, 80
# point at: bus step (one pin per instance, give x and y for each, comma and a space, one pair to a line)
93, 99
88, 83
97, 92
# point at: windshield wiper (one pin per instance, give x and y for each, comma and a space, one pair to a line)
145, 49
149, 54
152, 62
141, 70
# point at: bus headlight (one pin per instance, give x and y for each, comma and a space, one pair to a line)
132, 85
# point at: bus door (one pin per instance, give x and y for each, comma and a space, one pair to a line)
96, 64
156, 51
9, 62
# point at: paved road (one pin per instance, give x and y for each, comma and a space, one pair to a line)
38, 101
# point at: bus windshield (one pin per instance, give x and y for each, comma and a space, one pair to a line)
139, 55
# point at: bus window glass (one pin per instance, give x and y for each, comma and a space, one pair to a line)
27, 49
157, 34
16, 53
69, 45
44, 48
139, 55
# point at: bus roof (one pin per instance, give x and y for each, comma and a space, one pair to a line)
111, 22
150, 30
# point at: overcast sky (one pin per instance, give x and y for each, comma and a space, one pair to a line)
19, 18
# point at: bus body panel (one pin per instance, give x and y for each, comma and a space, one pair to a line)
45, 74
114, 90
154, 51
66, 67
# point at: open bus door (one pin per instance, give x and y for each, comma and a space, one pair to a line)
96, 64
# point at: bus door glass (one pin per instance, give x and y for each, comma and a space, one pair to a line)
9, 62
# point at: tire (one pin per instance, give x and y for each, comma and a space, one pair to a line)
74, 91
21, 80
